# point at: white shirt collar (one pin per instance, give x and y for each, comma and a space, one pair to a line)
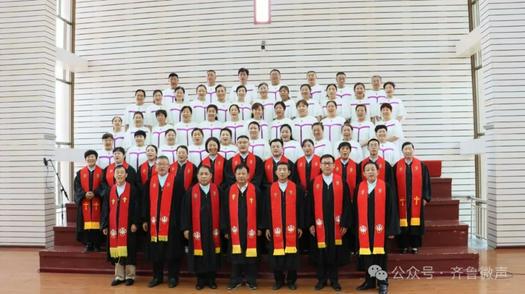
91, 168
205, 189
162, 179
328, 179
120, 189
212, 157
407, 161
283, 186
243, 188
244, 155
309, 158
151, 163
371, 186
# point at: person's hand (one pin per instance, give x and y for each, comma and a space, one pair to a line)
268, 235
133, 228
300, 233
90, 195
105, 231
226, 236
343, 231
391, 237
259, 233
187, 234
312, 230
145, 226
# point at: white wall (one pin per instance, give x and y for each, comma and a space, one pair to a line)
27, 116
502, 45
135, 44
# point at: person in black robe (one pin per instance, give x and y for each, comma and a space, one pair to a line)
146, 170
213, 146
124, 266
240, 263
331, 257
373, 149
276, 148
162, 252
206, 265
119, 157
92, 238
182, 178
243, 144
411, 235
289, 262
372, 260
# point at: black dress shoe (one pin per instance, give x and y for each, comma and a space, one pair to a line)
154, 282
88, 249
212, 285
404, 250
116, 282
277, 285
365, 286
199, 286
129, 282
173, 282
252, 286
415, 250
320, 285
383, 289
336, 286
232, 285
292, 286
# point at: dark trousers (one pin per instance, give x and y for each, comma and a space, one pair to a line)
93, 238
206, 278
409, 241
291, 277
249, 270
173, 268
327, 272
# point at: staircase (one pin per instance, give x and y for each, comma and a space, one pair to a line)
445, 244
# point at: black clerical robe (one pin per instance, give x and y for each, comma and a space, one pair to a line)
257, 178
79, 196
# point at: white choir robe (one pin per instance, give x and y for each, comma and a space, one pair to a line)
130, 136
268, 104
237, 128
273, 91
198, 108
314, 108
291, 110
211, 96
362, 132
222, 113
135, 156
371, 108
332, 128
105, 158
293, 150
251, 93
211, 129
302, 128
228, 151
338, 102
170, 151
264, 133
245, 110
169, 96
398, 108
356, 154
345, 93
130, 111
183, 131
196, 153
275, 128
318, 93
260, 148
175, 112
322, 147
120, 139
375, 95
388, 151
158, 136
151, 119
394, 128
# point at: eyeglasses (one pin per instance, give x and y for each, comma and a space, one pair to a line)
327, 163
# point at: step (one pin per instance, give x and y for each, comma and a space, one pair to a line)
70, 259
441, 188
434, 167
442, 209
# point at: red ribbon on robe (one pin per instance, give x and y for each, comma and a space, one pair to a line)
250, 162
188, 173
218, 168
251, 226
268, 168
337, 183
379, 218
196, 218
118, 228
144, 171
91, 209
290, 227
165, 207
417, 192
315, 166
351, 173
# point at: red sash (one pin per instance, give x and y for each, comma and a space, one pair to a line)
144, 171
188, 173
351, 173
250, 162
314, 172
196, 218
318, 209
251, 228
91, 208
417, 192
382, 167
118, 228
290, 227
268, 168
165, 207
218, 168
379, 218
110, 172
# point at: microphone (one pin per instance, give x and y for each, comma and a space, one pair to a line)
45, 161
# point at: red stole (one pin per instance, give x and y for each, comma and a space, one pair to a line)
251, 225
188, 173
110, 172
196, 218
268, 168
337, 183
351, 173
118, 228
417, 191
250, 162
91, 208
315, 169
379, 214
290, 227
144, 172
380, 163
218, 168
165, 207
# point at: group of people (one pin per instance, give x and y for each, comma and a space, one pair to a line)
267, 194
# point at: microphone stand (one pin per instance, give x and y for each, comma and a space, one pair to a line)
62, 189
